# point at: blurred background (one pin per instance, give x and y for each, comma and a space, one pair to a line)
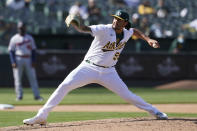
61, 49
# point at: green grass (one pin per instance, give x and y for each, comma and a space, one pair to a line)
16, 118
100, 95
94, 95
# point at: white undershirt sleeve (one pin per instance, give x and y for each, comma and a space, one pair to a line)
97, 30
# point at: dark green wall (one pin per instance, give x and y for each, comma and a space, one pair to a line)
53, 66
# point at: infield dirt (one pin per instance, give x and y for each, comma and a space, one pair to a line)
122, 124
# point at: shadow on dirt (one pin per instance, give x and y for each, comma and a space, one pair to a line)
183, 119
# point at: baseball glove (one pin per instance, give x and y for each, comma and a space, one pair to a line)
72, 19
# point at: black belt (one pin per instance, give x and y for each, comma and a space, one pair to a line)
97, 65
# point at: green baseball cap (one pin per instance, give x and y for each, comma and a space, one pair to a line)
121, 15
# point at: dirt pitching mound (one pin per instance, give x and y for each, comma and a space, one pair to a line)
183, 84
124, 124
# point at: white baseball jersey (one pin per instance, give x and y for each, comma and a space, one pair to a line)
22, 45
103, 50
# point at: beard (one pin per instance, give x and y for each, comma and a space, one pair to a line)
117, 27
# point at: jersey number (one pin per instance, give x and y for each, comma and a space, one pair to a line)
116, 56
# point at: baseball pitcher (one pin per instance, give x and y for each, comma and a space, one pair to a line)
99, 63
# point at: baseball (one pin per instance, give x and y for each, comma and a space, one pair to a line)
155, 45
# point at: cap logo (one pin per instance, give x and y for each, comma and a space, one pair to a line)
119, 13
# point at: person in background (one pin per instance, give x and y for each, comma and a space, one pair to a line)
117, 3
132, 3
79, 9
145, 25
156, 30
94, 12
15, 4
177, 44
22, 51
191, 26
145, 8
162, 10
135, 23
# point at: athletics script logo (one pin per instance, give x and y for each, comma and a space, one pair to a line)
113, 46
53, 65
167, 67
130, 67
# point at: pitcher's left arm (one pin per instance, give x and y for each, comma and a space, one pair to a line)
153, 43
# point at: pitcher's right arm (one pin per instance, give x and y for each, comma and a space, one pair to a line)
81, 28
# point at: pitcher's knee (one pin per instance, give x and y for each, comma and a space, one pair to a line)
67, 86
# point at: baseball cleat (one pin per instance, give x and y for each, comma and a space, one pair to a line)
161, 116
19, 98
35, 120
39, 98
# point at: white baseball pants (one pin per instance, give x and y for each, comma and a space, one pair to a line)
24, 64
85, 74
